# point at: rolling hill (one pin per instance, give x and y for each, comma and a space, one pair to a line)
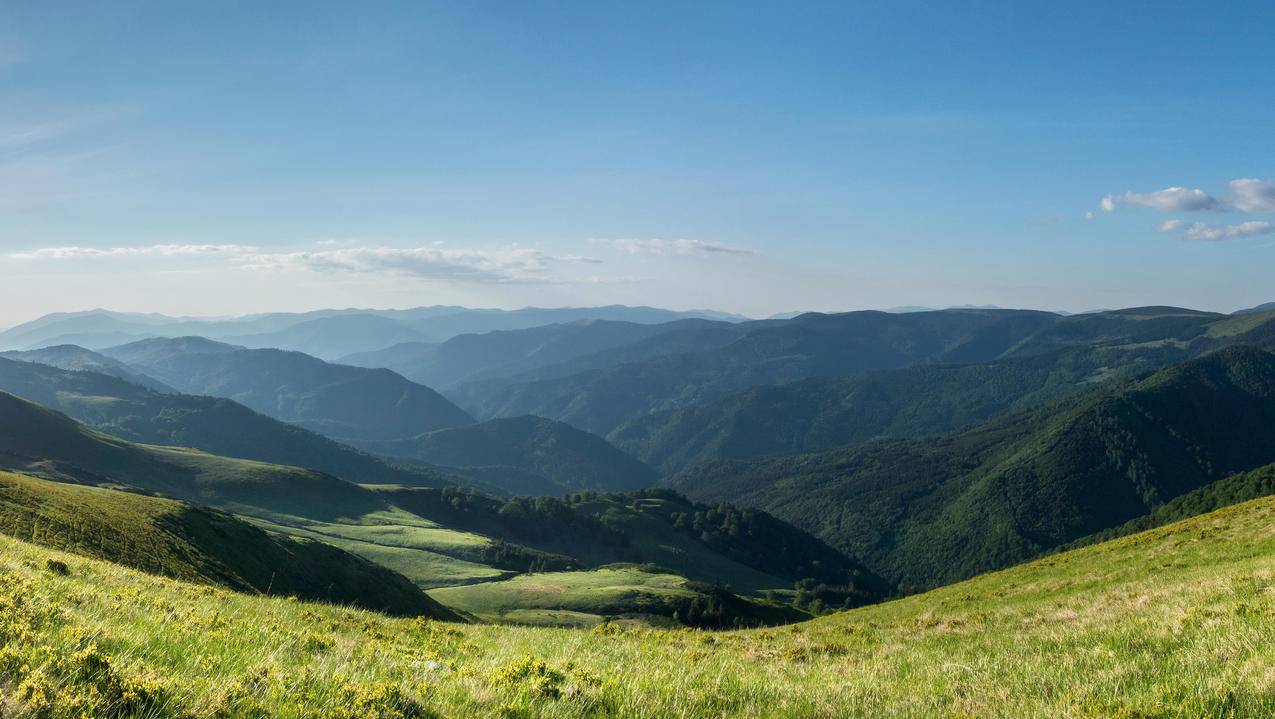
558, 457
178, 540
928, 512
1171, 622
334, 400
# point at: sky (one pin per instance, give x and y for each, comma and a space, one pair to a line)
227, 158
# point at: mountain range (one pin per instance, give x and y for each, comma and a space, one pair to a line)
327, 334
696, 470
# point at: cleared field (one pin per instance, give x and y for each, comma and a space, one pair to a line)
406, 550
570, 598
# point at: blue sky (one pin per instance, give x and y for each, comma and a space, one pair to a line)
217, 158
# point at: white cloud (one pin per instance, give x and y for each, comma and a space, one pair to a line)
1246, 195
507, 264
1204, 232
674, 247
1170, 199
76, 252
423, 262
1251, 195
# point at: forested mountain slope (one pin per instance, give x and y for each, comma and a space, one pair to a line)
927, 512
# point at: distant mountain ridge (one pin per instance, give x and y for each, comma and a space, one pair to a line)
602, 397
328, 333
335, 400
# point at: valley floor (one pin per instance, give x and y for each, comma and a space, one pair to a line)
1175, 622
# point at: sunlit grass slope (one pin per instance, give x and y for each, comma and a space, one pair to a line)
1175, 622
177, 540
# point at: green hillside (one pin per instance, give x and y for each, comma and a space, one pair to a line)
334, 400
214, 425
566, 458
178, 540
1170, 623
927, 512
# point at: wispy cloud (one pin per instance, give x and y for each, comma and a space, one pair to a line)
1205, 232
674, 247
508, 264
1170, 199
74, 252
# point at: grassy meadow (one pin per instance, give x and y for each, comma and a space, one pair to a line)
1175, 622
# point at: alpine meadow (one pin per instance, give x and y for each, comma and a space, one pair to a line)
680, 360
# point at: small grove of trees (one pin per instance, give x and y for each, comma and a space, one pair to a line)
817, 597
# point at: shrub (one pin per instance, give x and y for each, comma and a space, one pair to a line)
57, 566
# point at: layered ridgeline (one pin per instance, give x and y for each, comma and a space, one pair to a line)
335, 400
324, 333
602, 391
826, 412
552, 349
768, 352
524, 455
177, 540
1173, 622
219, 426
461, 538
519, 456
932, 511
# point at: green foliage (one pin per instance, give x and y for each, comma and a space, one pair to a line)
1225, 492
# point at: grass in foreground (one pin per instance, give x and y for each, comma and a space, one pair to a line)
1175, 622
